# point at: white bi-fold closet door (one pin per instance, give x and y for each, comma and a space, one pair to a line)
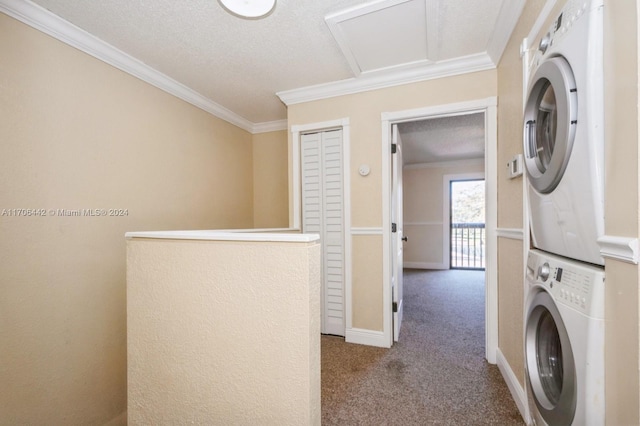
323, 213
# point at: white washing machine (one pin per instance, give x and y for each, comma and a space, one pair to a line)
564, 137
564, 341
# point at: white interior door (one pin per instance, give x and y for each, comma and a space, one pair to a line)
323, 213
397, 237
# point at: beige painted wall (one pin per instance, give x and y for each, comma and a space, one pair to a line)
510, 196
223, 332
424, 202
621, 210
364, 112
79, 134
270, 180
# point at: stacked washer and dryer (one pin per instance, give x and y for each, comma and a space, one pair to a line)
564, 157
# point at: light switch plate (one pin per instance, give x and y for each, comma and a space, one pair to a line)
515, 166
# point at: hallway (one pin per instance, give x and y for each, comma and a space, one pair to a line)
435, 374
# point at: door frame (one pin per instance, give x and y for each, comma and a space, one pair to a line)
488, 106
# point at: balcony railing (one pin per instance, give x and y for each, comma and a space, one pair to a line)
467, 246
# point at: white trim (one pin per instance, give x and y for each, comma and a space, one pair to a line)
437, 111
510, 233
334, 19
410, 73
388, 78
488, 106
297, 130
366, 231
387, 290
508, 17
446, 210
320, 126
444, 164
491, 221
619, 248
269, 126
423, 265
348, 251
366, 337
423, 223
517, 391
49, 23
225, 235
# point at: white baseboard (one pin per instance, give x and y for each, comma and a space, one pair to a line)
366, 337
517, 391
423, 265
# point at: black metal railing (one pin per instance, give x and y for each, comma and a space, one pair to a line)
467, 246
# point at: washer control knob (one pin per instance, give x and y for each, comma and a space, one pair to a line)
545, 42
544, 271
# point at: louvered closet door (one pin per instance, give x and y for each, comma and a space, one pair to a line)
323, 213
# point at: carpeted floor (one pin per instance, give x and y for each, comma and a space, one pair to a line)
436, 373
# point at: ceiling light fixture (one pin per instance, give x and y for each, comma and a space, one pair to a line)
249, 8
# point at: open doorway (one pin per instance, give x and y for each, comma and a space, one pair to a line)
486, 110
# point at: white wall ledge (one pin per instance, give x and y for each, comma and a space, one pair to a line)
623, 249
255, 235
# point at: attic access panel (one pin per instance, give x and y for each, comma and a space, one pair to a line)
384, 35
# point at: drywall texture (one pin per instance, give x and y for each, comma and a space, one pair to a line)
364, 113
79, 135
511, 305
367, 260
425, 215
622, 312
510, 195
223, 333
270, 180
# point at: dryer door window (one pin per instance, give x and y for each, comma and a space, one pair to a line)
551, 374
550, 119
549, 357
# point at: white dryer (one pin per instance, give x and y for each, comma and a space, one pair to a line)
564, 341
564, 137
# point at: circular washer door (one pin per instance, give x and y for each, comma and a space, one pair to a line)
550, 119
551, 369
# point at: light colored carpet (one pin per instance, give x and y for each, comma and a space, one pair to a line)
435, 375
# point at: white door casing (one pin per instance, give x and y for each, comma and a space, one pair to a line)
398, 236
488, 106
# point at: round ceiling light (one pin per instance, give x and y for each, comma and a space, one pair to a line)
249, 8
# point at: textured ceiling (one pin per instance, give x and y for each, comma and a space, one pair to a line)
436, 140
241, 64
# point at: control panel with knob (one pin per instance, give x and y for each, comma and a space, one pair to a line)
545, 42
544, 271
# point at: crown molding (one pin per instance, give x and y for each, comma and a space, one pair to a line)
49, 23
269, 126
508, 17
388, 78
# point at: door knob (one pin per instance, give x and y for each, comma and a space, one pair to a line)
405, 239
